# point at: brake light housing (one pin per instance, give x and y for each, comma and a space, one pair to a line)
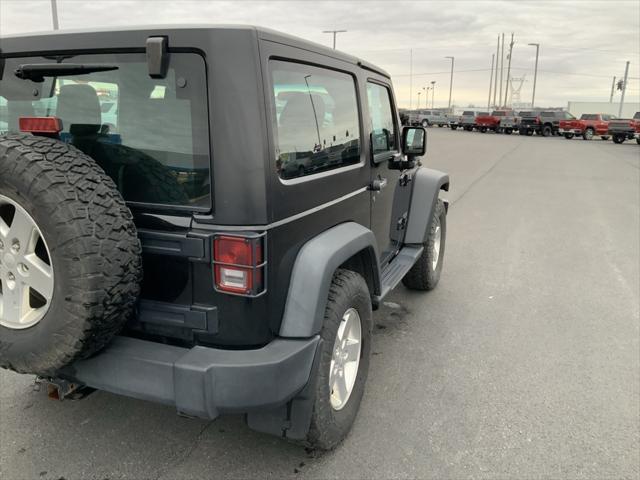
40, 125
239, 264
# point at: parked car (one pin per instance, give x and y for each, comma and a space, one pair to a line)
428, 118
545, 123
510, 122
625, 129
258, 286
588, 126
468, 119
491, 122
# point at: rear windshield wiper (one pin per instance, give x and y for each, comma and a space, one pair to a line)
38, 71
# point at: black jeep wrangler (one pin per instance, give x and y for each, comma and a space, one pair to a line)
262, 183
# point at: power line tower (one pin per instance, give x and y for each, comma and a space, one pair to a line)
516, 88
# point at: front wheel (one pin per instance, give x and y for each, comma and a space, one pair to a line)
454, 127
344, 360
483, 129
547, 131
619, 139
425, 274
568, 136
425, 123
508, 131
523, 131
604, 137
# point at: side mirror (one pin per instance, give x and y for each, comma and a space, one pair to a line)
414, 141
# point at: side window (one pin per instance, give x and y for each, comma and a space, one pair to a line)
317, 121
383, 131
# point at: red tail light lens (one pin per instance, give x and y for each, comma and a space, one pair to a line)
40, 124
238, 265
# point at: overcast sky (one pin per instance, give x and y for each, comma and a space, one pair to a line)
583, 43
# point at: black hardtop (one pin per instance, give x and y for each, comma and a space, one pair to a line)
180, 36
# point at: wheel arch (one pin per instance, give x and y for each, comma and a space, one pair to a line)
347, 245
427, 184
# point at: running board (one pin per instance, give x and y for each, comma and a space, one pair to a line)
394, 271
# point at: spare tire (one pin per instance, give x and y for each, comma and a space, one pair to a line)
70, 258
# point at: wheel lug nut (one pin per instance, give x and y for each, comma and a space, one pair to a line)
23, 268
15, 246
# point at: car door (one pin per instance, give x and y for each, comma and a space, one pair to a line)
385, 146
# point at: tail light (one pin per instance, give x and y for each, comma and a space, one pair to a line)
537, 119
50, 125
239, 264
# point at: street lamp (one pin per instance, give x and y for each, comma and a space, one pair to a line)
433, 92
535, 73
54, 14
451, 81
335, 32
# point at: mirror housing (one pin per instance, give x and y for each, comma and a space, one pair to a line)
414, 142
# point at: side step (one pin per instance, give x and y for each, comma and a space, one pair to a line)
394, 271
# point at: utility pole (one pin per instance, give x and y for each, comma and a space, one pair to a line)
450, 81
54, 14
410, 77
535, 75
613, 86
624, 89
506, 87
335, 32
495, 84
433, 92
493, 57
501, 69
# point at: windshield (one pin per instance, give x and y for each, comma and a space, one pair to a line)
149, 135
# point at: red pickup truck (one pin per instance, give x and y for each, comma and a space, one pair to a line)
587, 126
623, 129
491, 122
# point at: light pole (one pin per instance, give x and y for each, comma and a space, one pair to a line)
418, 108
450, 81
335, 32
54, 13
613, 86
493, 58
624, 89
535, 74
433, 92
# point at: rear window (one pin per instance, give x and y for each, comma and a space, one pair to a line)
468, 113
526, 114
149, 135
498, 114
550, 114
589, 116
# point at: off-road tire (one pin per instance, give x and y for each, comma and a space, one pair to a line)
425, 123
454, 127
588, 134
508, 131
95, 252
483, 129
619, 139
547, 131
568, 136
422, 276
329, 426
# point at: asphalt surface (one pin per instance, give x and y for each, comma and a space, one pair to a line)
523, 363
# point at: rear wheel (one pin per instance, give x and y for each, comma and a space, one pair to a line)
547, 131
483, 129
425, 274
425, 123
344, 360
568, 136
588, 134
619, 139
523, 131
454, 127
508, 131
638, 141
604, 137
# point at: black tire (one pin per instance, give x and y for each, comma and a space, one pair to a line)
529, 133
547, 131
454, 127
638, 141
422, 275
329, 426
508, 131
568, 136
619, 139
425, 123
588, 134
523, 131
95, 252
483, 129
604, 137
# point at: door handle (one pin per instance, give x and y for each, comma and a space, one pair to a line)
378, 184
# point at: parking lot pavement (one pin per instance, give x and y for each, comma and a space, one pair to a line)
523, 363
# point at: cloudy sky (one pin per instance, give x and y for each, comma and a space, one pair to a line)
583, 44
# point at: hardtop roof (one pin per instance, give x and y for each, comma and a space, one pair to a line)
10, 44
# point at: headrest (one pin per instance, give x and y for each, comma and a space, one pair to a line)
78, 104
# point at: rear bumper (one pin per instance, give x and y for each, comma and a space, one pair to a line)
200, 381
574, 131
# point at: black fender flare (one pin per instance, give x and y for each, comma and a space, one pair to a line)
427, 184
313, 271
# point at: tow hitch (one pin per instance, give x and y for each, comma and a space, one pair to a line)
59, 389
